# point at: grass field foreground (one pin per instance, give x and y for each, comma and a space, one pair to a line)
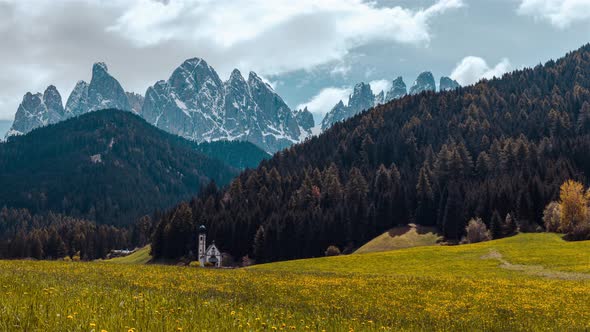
424, 288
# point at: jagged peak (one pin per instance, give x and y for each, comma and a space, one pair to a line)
399, 81
236, 75
51, 88
81, 84
361, 85
254, 79
252, 76
425, 74
100, 67
30, 95
194, 63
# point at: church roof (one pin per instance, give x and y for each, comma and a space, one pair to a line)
212, 245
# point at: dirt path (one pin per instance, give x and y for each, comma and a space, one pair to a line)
535, 270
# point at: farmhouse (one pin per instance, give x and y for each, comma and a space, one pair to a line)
209, 254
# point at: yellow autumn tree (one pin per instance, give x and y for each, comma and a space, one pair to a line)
574, 205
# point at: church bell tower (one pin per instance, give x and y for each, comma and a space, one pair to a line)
202, 244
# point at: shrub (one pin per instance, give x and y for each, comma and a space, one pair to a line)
76, 257
574, 206
579, 233
209, 264
67, 259
332, 251
551, 217
476, 231
195, 264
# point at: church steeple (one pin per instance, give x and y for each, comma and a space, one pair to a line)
202, 244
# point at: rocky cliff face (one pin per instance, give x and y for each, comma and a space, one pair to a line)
424, 82
398, 89
446, 83
103, 92
135, 101
362, 98
37, 110
196, 104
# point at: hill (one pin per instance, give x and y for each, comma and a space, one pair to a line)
499, 147
401, 237
140, 256
237, 154
527, 282
107, 166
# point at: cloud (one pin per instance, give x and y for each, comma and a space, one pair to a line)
55, 42
341, 69
325, 100
560, 13
472, 69
380, 85
289, 35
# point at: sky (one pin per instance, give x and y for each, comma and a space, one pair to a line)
311, 51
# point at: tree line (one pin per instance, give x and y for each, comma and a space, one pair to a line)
55, 236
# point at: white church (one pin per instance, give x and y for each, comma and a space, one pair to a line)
208, 254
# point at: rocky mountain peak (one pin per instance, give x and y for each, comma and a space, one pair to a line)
37, 110
76, 103
195, 104
99, 68
104, 91
424, 82
447, 83
398, 89
362, 97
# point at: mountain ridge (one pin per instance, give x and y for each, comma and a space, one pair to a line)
193, 103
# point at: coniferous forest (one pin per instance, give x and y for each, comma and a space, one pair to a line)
109, 166
498, 150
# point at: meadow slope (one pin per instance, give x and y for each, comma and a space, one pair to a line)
470, 287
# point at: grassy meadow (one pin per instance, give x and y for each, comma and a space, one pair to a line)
527, 282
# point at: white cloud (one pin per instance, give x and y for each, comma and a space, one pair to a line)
380, 85
341, 69
290, 35
325, 100
471, 69
560, 13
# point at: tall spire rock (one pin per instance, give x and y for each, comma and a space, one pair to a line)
446, 83
196, 104
77, 103
362, 98
104, 91
398, 89
37, 110
424, 82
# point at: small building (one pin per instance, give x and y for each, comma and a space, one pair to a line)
209, 254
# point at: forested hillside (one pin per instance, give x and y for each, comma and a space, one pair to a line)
237, 154
107, 166
500, 147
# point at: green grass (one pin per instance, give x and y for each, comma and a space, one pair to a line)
400, 238
431, 288
140, 256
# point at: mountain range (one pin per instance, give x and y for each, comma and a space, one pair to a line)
193, 103
363, 97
